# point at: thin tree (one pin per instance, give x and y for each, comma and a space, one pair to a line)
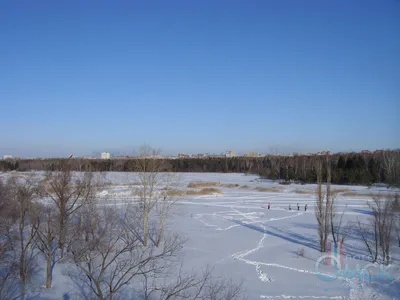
396, 216
321, 209
18, 230
46, 239
390, 164
370, 237
379, 236
68, 194
328, 204
165, 205
339, 231
24, 194
153, 190
9, 279
384, 218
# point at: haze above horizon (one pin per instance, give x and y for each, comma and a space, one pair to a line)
207, 76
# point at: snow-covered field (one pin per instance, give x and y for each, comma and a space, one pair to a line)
235, 232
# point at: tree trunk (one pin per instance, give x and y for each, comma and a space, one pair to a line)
22, 271
61, 241
160, 233
98, 288
376, 242
48, 271
145, 228
22, 262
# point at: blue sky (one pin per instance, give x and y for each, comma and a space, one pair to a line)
199, 76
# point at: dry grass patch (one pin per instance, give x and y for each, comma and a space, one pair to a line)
201, 184
206, 184
229, 185
304, 192
270, 189
174, 193
205, 191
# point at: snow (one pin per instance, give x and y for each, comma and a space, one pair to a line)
237, 234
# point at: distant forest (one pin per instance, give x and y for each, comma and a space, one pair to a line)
347, 168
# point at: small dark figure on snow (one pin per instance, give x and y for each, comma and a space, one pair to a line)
269, 205
298, 207
290, 207
305, 208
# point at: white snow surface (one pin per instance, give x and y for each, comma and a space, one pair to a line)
244, 240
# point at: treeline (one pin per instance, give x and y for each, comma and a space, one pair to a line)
348, 168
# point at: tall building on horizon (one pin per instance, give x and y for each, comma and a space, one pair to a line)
105, 155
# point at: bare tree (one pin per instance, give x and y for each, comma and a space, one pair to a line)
17, 232
396, 215
24, 194
154, 191
339, 231
112, 258
193, 286
46, 239
322, 208
9, 279
370, 237
68, 194
165, 205
384, 218
328, 204
391, 165
382, 226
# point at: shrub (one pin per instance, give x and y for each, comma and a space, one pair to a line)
229, 185
300, 252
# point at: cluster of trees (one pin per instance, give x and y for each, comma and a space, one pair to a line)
378, 234
112, 251
351, 168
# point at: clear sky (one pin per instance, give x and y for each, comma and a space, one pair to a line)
199, 76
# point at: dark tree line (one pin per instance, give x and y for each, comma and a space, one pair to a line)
346, 168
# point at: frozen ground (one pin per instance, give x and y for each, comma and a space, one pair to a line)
237, 233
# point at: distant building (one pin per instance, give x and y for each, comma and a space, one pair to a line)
105, 155
253, 154
182, 155
7, 156
230, 154
324, 153
365, 151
